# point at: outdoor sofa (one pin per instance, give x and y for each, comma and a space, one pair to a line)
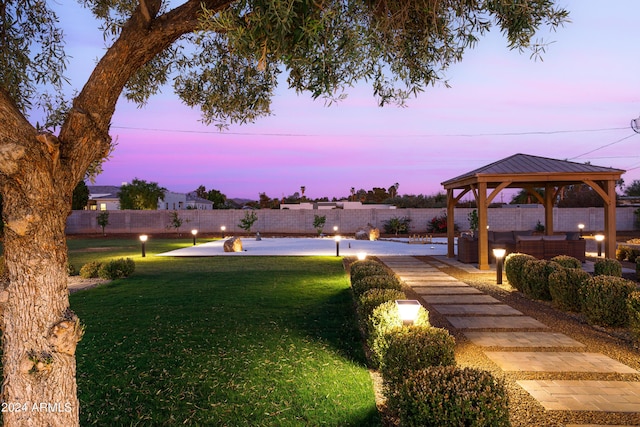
523, 241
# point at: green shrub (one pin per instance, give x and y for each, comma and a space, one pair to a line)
627, 253
446, 396
380, 281
412, 348
638, 268
360, 269
633, 310
567, 261
607, 267
383, 319
90, 269
117, 269
371, 299
622, 252
536, 282
604, 300
514, 268
397, 225
72, 270
564, 287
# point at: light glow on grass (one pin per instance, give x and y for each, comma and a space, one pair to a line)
223, 341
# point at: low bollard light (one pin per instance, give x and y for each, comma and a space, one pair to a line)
599, 239
361, 256
143, 240
194, 232
499, 253
408, 310
337, 239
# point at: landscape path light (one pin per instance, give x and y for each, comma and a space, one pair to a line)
408, 310
499, 253
337, 239
599, 239
222, 230
194, 232
361, 256
581, 228
143, 240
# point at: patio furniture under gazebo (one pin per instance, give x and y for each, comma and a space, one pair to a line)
530, 172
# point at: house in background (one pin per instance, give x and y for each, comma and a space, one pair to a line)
195, 202
105, 198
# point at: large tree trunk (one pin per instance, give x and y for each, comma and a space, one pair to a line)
40, 331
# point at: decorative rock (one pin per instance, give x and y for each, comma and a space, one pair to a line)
374, 234
368, 233
233, 244
362, 235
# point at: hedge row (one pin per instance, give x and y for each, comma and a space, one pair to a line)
604, 298
422, 385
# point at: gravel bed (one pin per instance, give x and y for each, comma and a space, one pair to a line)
526, 411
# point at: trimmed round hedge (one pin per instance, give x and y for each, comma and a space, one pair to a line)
604, 300
447, 396
514, 267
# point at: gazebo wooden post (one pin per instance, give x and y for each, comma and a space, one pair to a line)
451, 203
610, 220
483, 235
548, 209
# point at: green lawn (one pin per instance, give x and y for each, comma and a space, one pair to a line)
221, 341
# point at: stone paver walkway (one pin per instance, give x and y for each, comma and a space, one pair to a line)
492, 325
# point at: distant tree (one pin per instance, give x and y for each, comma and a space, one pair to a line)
319, 222
80, 196
265, 202
175, 222
523, 197
393, 190
201, 192
247, 222
103, 220
633, 189
219, 200
579, 196
140, 195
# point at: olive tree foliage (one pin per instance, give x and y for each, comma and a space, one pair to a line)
236, 55
224, 57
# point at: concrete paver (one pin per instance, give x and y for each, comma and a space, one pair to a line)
585, 395
521, 339
560, 361
495, 322
490, 309
461, 299
446, 290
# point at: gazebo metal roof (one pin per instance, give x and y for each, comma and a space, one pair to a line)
531, 169
528, 172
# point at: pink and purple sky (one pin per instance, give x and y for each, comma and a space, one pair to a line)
576, 104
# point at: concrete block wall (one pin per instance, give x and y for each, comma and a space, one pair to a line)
348, 221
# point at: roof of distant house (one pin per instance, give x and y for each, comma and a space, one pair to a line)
103, 191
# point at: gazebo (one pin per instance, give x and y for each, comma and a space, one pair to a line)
530, 172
